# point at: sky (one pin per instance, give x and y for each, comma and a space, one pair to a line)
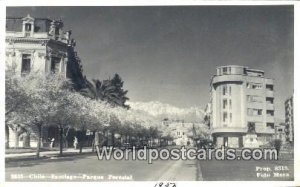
169, 54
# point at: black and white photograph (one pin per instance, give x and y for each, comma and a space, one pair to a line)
149, 93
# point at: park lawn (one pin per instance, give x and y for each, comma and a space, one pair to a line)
27, 150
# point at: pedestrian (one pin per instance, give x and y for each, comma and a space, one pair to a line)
277, 145
75, 142
52, 142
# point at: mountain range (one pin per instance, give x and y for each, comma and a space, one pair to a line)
163, 111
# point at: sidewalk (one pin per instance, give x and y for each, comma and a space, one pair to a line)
69, 151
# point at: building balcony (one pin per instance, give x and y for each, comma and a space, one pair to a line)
42, 35
227, 78
229, 130
258, 92
257, 118
270, 106
19, 36
265, 130
269, 93
270, 119
256, 105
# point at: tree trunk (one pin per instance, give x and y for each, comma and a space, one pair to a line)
16, 139
151, 141
80, 137
26, 140
94, 141
113, 138
6, 137
80, 147
38, 147
61, 142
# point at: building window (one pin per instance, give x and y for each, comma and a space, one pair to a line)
224, 103
226, 90
270, 87
230, 117
55, 62
248, 85
255, 86
224, 116
26, 66
225, 70
270, 100
230, 104
270, 125
254, 112
251, 127
270, 112
28, 27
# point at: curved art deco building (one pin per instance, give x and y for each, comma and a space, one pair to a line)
242, 104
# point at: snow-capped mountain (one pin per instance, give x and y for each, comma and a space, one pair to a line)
162, 110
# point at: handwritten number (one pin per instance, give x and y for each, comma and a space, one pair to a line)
168, 184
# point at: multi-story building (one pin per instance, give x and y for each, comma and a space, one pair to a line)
41, 45
289, 119
181, 131
242, 107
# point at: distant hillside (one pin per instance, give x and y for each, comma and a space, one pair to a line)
162, 110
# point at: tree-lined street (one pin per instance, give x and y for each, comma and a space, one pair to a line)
149, 78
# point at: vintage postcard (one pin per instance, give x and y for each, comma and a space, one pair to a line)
149, 93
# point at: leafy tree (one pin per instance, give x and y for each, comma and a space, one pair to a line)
36, 101
199, 131
16, 100
96, 90
118, 97
110, 90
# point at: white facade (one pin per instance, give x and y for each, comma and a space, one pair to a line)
36, 50
241, 98
181, 131
35, 45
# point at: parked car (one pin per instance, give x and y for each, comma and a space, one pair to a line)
205, 144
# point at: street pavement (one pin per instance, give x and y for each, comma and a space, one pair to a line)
87, 167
